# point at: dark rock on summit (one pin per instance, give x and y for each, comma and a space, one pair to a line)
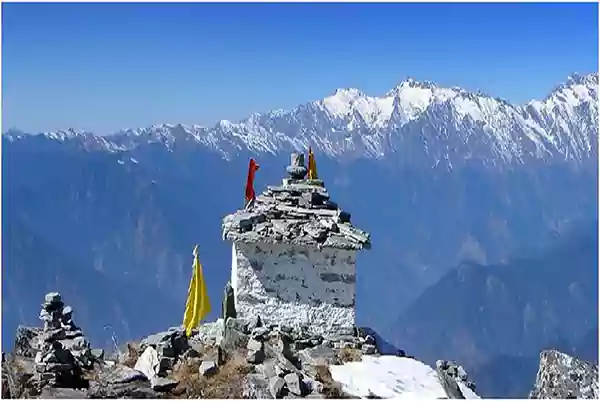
563, 376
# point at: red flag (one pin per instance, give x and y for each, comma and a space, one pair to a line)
252, 168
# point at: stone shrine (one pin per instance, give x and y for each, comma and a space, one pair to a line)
294, 256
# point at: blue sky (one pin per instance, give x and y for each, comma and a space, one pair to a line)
103, 67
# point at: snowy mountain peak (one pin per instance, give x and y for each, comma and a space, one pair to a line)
416, 121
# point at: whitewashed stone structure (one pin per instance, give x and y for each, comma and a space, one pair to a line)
294, 256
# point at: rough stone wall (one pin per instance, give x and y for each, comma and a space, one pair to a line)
295, 286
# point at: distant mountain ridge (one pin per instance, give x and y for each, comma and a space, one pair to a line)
415, 122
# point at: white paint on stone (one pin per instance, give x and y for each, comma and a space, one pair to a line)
295, 285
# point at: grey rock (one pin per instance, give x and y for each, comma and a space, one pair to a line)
295, 384
170, 344
267, 369
191, 353
179, 342
237, 324
97, 353
208, 332
155, 339
283, 369
255, 386
256, 352
260, 333
310, 358
71, 334
122, 374
208, 368
163, 384
78, 343
276, 386
148, 363
449, 384
276, 354
26, 341
52, 298
67, 310
563, 376
233, 338
368, 349
255, 324
369, 339
136, 389
313, 386
49, 392
166, 364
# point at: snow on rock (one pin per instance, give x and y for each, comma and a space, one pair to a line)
390, 377
467, 392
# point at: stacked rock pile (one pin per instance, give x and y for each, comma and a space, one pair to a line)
299, 212
63, 349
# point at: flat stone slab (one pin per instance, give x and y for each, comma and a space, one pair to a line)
122, 374
297, 214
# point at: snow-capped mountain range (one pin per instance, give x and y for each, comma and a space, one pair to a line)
448, 124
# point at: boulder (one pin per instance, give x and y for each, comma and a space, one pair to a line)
295, 384
256, 351
163, 384
256, 387
119, 374
148, 363
368, 349
26, 341
135, 389
207, 368
563, 376
446, 376
276, 387
234, 336
49, 392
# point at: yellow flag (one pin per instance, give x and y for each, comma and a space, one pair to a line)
312, 165
197, 305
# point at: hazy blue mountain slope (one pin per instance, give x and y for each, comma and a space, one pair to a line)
494, 318
98, 299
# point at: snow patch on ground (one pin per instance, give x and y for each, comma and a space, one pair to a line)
467, 392
391, 377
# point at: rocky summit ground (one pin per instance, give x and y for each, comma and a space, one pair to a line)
229, 358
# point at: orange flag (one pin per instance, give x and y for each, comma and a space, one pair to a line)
252, 168
312, 165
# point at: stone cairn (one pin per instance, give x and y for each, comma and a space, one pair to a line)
63, 350
299, 212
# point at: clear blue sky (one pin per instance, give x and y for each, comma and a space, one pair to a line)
107, 66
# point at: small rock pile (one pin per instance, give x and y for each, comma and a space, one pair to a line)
299, 212
56, 355
63, 349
